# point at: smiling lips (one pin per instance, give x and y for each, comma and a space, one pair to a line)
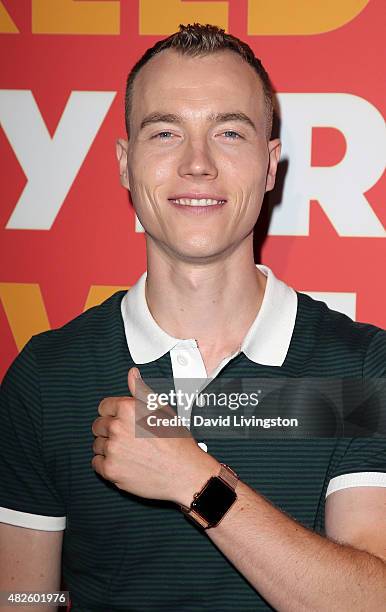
200, 200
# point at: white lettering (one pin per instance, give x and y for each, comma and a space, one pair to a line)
339, 189
50, 164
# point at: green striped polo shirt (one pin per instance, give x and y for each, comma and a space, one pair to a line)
121, 552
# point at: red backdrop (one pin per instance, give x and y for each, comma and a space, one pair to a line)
68, 234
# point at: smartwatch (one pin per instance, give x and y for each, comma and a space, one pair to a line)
210, 505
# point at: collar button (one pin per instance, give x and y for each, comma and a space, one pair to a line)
182, 360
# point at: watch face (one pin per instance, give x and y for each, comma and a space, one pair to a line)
214, 500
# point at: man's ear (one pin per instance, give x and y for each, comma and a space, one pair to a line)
274, 149
122, 146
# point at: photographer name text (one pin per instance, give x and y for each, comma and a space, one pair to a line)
233, 420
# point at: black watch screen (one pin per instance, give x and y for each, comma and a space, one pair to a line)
214, 500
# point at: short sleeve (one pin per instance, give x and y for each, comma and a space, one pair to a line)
363, 462
28, 497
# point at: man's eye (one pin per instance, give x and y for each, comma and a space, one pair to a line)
163, 135
232, 135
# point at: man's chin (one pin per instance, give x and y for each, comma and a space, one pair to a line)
200, 249
199, 255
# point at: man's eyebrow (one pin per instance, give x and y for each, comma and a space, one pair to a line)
234, 116
214, 117
160, 118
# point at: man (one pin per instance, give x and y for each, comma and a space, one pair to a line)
197, 162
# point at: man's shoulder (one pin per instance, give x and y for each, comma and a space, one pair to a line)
336, 337
97, 327
100, 317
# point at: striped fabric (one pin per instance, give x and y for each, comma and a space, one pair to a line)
124, 553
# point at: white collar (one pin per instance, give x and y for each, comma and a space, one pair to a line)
266, 342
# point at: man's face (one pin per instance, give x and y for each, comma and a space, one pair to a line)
198, 132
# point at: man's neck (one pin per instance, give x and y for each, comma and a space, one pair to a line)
215, 303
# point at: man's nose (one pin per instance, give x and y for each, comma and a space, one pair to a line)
197, 160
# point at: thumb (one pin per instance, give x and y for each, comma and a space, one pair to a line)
137, 386
141, 391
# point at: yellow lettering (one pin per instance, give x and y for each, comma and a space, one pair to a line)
69, 17
164, 17
285, 17
26, 312
100, 293
7, 26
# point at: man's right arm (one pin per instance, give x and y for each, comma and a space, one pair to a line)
32, 510
30, 560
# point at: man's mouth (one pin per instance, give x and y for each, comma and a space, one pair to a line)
196, 201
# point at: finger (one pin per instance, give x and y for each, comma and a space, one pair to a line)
97, 464
100, 426
109, 405
99, 446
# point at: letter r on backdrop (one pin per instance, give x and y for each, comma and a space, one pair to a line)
339, 189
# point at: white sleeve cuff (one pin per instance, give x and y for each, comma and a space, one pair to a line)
32, 521
358, 479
